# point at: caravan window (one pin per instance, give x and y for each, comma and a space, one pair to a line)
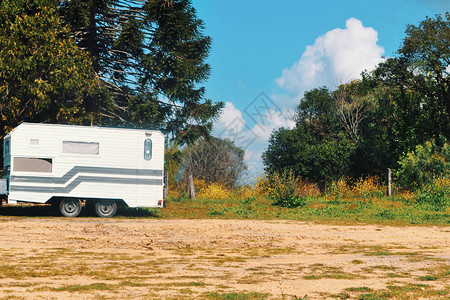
148, 149
80, 147
33, 164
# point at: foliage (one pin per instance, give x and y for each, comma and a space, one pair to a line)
352, 104
368, 125
422, 166
213, 190
436, 193
313, 158
287, 190
361, 189
172, 161
426, 50
370, 187
214, 160
401, 208
44, 76
151, 55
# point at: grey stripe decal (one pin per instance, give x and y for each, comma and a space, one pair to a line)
79, 169
67, 189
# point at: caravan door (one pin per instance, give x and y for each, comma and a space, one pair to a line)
150, 170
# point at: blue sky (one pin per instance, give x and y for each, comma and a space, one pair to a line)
282, 48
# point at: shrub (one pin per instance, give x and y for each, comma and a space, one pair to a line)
340, 189
288, 190
436, 193
214, 191
369, 187
422, 166
214, 160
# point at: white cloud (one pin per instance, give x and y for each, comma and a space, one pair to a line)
228, 117
338, 56
275, 119
254, 138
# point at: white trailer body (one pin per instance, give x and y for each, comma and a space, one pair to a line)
46, 161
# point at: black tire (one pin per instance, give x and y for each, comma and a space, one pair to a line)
70, 207
105, 208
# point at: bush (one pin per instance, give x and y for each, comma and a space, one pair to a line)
288, 190
361, 188
340, 189
214, 191
435, 194
213, 160
369, 187
421, 167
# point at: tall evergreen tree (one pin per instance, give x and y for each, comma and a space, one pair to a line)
151, 55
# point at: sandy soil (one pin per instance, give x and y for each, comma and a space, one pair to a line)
87, 258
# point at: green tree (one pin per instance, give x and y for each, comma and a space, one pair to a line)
372, 123
152, 57
317, 148
44, 76
426, 52
428, 162
410, 98
214, 160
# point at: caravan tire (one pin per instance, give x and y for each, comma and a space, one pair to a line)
70, 207
105, 208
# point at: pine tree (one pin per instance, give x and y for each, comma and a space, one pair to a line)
151, 55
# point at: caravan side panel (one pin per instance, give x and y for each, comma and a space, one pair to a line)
85, 162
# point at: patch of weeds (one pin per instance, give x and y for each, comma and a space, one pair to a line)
320, 271
237, 296
357, 262
186, 291
186, 284
383, 267
428, 278
378, 253
79, 287
215, 213
359, 289
394, 275
133, 283
440, 272
375, 296
342, 295
385, 214
407, 291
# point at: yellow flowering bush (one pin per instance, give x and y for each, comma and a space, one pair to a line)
340, 189
368, 187
214, 191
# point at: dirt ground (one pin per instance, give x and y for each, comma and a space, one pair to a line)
119, 258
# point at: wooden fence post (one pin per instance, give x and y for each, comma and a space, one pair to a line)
191, 187
389, 181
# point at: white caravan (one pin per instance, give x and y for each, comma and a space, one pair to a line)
63, 164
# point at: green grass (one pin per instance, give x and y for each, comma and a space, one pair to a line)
384, 210
376, 209
237, 296
404, 291
83, 288
428, 278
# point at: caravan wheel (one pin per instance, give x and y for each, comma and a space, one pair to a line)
105, 208
70, 207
